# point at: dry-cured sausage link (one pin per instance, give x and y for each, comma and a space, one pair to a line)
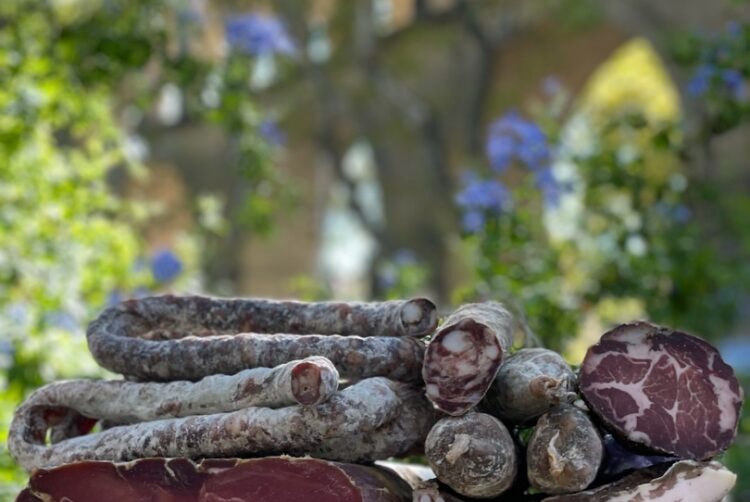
168, 316
239, 480
82, 402
683, 481
564, 452
73, 407
358, 409
669, 391
464, 356
403, 435
473, 454
529, 383
193, 357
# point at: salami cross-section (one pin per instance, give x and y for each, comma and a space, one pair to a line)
462, 360
663, 389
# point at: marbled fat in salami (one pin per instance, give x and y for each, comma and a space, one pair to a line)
463, 358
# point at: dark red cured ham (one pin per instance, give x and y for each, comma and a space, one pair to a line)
271, 479
666, 390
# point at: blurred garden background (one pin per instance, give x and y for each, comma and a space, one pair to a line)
585, 160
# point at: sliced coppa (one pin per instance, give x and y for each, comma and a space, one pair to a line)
666, 390
463, 358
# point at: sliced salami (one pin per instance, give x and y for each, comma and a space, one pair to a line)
463, 358
663, 389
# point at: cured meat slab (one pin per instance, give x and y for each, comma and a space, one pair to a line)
665, 390
270, 479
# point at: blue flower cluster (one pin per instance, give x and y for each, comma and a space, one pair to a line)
514, 138
259, 34
706, 75
718, 70
480, 197
165, 266
511, 139
679, 213
551, 188
271, 132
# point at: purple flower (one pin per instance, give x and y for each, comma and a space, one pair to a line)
271, 132
500, 151
489, 195
533, 150
472, 221
681, 213
734, 81
678, 213
165, 266
549, 186
512, 137
114, 297
62, 320
480, 197
258, 34
700, 82
734, 29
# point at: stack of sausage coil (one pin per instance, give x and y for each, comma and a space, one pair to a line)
264, 400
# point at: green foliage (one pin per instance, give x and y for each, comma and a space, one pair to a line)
624, 230
737, 457
67, 243
720, 68
270, 190
402, 276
